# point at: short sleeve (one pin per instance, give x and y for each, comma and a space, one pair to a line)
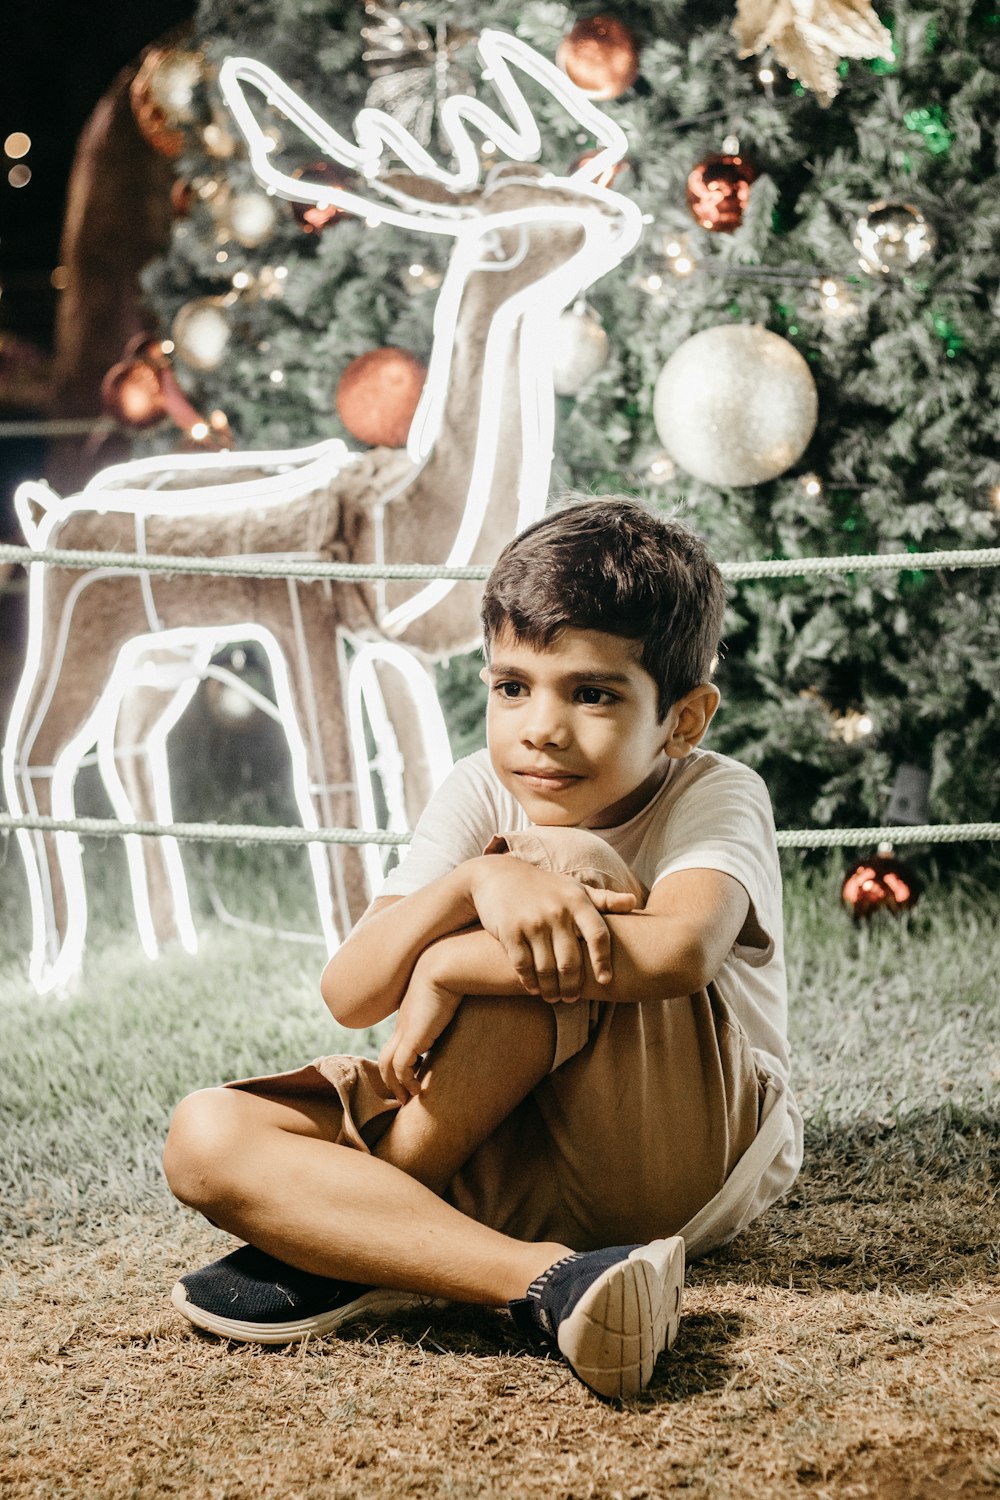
459, 820
722, 820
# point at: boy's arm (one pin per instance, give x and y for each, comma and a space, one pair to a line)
365, 980
673, 947
539, 916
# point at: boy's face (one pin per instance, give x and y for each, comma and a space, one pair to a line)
573, 731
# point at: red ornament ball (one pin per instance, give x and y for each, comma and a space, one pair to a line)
315, 217
882, 883
601, 56
377, 395
718, 191
132, 393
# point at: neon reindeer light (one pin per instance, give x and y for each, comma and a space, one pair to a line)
114, 658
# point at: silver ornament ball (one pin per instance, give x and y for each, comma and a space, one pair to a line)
201, 332
735, 405
892, 238
581, 349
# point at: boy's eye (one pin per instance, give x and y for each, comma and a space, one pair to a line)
595, 696
509, 689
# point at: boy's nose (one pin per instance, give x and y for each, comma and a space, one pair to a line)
546, 725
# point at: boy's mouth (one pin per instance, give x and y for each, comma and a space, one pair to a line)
544, 780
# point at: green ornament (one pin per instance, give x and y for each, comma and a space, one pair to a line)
930, 123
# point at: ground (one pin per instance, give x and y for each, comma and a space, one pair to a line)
847, 1345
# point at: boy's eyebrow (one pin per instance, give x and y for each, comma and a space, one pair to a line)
596, 674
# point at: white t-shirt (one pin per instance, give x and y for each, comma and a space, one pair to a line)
710, 812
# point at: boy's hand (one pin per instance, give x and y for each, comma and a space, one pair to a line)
541, 918
424, 1012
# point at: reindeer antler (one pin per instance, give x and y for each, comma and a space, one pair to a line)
375, 131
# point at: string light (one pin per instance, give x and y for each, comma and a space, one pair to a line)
811, 483
835, 300
19, 176
17, 144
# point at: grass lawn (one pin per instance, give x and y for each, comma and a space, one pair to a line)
848, 1345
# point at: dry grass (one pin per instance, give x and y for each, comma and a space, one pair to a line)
848, 1345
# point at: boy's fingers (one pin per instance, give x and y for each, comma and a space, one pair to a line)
523, 961
569, 964
595, 934
612, 901
387, 1066
546, 967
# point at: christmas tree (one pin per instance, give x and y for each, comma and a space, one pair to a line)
848, 204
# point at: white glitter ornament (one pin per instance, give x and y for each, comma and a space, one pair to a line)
250, 217
735, 405
201, 332
581, 349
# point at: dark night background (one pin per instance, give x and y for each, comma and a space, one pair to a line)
56, 60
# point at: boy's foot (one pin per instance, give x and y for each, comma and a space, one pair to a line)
254, 1298
609, 1312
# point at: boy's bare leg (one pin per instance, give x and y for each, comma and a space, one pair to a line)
482, 1067
266, 1169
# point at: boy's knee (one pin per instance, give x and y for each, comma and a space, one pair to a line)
577, 852
203, 1137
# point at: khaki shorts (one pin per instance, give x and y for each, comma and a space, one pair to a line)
646, 1111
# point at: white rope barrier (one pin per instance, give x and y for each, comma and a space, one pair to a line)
60, 427
288, 567
237, 833
253, 833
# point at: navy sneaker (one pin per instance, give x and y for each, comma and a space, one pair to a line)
610, 1313
254, 1298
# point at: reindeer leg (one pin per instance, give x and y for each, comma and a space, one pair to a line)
76, 630
393, 695
309, 696
132, 755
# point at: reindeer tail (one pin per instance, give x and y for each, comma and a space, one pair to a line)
32, 501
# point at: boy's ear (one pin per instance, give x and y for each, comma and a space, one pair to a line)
689, 718
484, 674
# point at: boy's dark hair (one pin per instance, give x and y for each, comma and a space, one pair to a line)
611, 564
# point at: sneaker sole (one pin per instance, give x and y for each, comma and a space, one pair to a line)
374, 1303
625, 1320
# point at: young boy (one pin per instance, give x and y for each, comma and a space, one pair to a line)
589, 1063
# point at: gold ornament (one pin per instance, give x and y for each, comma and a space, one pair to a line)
164, 96
201, 332
809, 37
249, 217
735, 405
658, 469
892, 238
